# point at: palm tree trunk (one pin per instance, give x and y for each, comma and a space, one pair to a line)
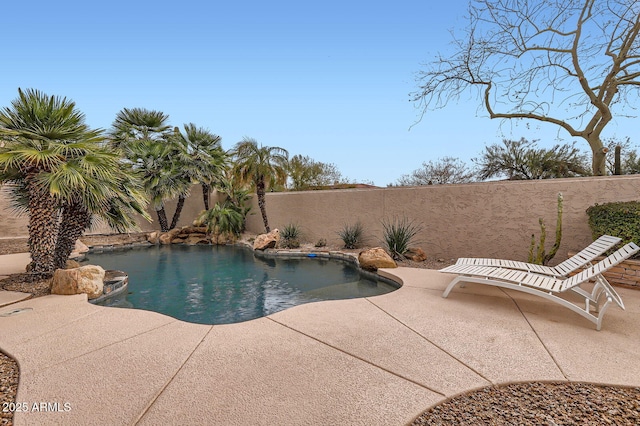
162, 219
42, 228
206, 190
178, 212
260, 191
75, 219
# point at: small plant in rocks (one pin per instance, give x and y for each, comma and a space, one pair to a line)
289, 236
351, 235
398, 233
321, 243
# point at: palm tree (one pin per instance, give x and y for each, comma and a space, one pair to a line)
38, 133
59, 168
146, 140
263, 166
162, 176
207, 160
138, 124
101, 188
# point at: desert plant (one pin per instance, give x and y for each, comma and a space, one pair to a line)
398, 233
351, 235
221, 220
289, 236
537, 254
321, 243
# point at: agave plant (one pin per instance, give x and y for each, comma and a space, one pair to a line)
289, 236
398, 235
351, 235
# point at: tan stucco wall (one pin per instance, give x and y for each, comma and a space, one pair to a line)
15, 226
489, 219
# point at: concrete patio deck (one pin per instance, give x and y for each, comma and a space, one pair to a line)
380, 360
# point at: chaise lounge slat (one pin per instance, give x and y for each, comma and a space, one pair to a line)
564, 269
549, 287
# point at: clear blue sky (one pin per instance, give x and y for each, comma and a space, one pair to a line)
328, 79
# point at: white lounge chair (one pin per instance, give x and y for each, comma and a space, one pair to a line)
575, 262
549, 287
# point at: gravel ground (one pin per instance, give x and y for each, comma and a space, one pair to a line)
8, 387
520, 403
539, 404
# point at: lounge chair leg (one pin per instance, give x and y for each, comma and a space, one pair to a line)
451, 285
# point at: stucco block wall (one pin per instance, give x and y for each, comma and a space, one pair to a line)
12, 225
489, 219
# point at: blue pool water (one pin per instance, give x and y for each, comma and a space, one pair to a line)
228, 284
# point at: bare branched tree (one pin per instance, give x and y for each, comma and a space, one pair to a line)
444, 171
568, 63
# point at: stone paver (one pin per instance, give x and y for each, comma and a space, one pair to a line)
380, 360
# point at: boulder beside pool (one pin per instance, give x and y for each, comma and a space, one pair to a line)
85, 279
265, 241
375, 258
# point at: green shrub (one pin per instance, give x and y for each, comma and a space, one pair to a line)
620, 220
289, 236
351, 235
398, 235
221, 220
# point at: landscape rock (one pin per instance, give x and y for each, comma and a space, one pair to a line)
167, 237
87, 279
193, 230
194, 239
71, 264
80, 247
265, 241
416, 254
153, 237
375, 258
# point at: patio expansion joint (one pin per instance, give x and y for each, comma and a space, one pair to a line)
98, 348
61, 326
359, 358
168, 382
431, 342
536, 333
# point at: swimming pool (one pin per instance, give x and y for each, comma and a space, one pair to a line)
228, 284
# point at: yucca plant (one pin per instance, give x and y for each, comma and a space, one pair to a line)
289, 236
351, 235
398, 235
